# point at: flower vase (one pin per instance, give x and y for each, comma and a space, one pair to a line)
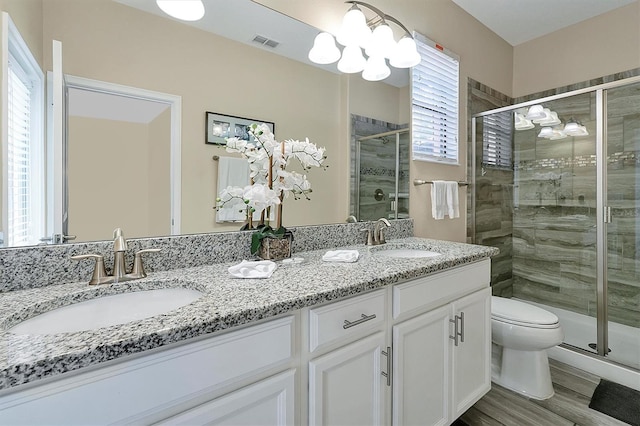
275, 248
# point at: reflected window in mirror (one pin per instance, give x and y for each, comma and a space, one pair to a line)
434, 106
497, 132
23, 150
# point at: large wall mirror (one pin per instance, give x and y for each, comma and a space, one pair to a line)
116, 161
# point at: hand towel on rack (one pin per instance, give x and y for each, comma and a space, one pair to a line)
453, 208
444, 199
438, 199
232, 172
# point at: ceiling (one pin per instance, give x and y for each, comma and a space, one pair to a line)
518, 21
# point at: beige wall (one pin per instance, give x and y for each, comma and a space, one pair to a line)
158, 180
211, 74
27, 16
107, 180
600, 46
484, 57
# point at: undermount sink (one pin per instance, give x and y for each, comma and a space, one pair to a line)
107, 311
408, 253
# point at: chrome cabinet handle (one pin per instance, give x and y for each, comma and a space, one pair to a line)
364, 318
455, 330
389, 373
458, 331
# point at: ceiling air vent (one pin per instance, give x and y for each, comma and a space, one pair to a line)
265, 41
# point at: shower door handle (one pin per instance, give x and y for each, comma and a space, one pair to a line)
607, 214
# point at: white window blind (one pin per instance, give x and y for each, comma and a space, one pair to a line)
497, 131
19, 157
434, 110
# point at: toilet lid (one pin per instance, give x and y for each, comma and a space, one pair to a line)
515, 312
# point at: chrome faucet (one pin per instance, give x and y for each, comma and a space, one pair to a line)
119, 274
378, 235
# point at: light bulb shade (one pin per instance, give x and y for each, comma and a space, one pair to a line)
574, 129
352, 60
521, 123
551, 120
354, 29
186, 10
406, 54
546, 132
376, 69
558, 134
546, 116
324, 50
536, 112
381, 42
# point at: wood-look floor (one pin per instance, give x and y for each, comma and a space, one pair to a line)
568, 407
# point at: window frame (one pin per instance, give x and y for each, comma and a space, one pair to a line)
16, 50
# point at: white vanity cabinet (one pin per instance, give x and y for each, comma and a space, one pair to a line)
441, 355
346, 342
159, 385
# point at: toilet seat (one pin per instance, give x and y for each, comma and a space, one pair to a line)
523, 314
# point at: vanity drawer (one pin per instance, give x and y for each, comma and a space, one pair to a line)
347, 319
429, 292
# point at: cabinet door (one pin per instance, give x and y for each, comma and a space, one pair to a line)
269, 402
471, 367
346, 386
421, 369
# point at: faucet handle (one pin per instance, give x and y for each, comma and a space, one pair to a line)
99, 275
138, 267
369, 241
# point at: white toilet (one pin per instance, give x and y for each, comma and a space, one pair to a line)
521, 335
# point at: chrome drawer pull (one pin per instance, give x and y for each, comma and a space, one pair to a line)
365, 318
455, 330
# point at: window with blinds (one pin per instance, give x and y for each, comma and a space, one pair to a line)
497, 132
19, 156
434, 110
23, 167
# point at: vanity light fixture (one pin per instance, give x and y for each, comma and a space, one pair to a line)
536, 112
356, 36
185, 10
521, 123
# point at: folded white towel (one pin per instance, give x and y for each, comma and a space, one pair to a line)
348, 256
253, 269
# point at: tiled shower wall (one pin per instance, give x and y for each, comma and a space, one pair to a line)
494, 196
377, 169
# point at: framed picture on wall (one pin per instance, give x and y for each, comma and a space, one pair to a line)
220, 126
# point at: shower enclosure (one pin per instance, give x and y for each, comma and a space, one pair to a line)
562, 201
382, 176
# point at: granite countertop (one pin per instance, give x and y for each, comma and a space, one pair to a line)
227, 302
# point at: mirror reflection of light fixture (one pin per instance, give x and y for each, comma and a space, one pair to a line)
551, 120
573, 128
521, 123
185, 10
546, 132
379, 45
536, 112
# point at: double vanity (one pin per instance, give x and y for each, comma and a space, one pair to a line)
402, 336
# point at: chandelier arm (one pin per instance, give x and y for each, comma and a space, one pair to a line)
381, 14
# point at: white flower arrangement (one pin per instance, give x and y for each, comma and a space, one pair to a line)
270, 181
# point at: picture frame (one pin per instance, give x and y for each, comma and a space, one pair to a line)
221, 126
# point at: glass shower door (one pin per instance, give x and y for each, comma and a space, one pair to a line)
377, 177
623, 227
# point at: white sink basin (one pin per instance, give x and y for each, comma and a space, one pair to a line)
107, 310
408, 253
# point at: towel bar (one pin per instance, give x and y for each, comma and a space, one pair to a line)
417, 182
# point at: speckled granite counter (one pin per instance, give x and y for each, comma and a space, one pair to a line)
227, 302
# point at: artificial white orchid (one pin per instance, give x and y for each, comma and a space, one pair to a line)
271, 183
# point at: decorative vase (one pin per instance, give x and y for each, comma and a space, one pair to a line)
275, 248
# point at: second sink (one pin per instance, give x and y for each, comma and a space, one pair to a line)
107, 311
